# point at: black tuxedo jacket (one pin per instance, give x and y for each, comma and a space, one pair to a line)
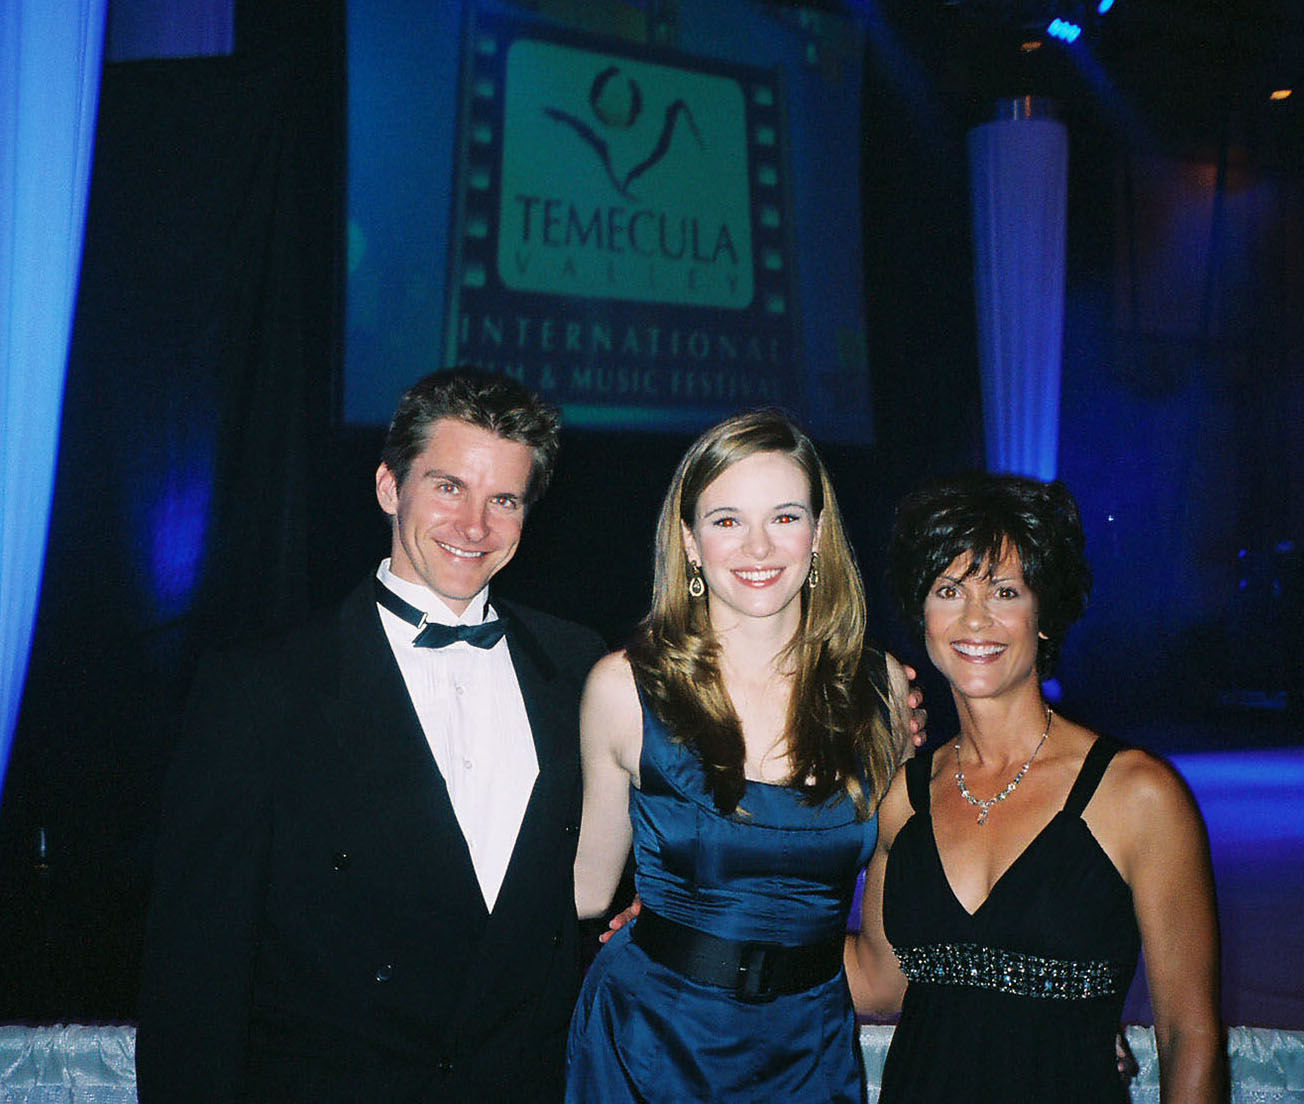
316, 930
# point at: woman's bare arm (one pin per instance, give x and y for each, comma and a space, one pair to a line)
611, 739
1163, 853
873, 972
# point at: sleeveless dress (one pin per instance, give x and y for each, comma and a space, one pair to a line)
1019, 1001
780, 871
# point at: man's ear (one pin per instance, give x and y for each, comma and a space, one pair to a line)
387, 489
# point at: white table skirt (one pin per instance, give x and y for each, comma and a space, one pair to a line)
68, 1064
86, 1064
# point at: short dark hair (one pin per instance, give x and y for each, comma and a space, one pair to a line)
496, 403
984, 515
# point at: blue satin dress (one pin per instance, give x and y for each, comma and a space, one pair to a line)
778, 870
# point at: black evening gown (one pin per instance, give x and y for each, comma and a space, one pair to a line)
1021, 1000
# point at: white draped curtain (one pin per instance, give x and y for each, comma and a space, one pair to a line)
1018, 167
50, 55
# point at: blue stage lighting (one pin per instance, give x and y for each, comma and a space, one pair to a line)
1104, 6
178, 524
1063, 29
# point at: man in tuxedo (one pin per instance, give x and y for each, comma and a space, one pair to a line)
364, 881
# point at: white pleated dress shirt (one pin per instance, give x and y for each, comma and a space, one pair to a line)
469, 703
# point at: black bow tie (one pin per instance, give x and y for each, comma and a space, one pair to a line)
434, 635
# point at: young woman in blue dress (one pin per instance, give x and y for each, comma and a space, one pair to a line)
739, 745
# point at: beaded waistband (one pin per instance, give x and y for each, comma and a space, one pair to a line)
1021, 975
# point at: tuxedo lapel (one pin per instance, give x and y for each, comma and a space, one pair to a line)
552, 709
544, 695
552, 812
377, 726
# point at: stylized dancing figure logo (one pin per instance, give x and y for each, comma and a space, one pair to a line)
617, 102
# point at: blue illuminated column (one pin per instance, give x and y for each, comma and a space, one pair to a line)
1018, 167
49, 86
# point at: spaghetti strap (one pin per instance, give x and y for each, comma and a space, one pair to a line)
1093, 768
919, 773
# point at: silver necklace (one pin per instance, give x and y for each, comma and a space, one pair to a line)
985, 806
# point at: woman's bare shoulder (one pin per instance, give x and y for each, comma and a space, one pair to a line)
611, 678
1147, 783
1141, 802
610, 713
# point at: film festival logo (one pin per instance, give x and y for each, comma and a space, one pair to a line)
623, 179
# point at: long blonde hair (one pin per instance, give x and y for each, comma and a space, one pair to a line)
837, 726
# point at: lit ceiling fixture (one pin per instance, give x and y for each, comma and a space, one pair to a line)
1062, 28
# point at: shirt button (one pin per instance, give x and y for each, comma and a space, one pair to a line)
459, 689
385, 972
340, 860
468, 763
445, 1066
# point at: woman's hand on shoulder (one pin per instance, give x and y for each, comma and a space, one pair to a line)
906, 700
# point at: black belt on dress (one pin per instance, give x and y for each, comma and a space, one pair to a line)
756, 972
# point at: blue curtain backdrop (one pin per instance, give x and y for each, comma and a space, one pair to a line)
50, 56
1019, 190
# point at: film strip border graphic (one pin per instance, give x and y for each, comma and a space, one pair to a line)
656, 364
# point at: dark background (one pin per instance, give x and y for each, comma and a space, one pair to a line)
206, 493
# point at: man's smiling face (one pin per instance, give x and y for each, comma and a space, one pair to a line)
459, 512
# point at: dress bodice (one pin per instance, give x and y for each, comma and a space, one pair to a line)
777, 870
1028, 988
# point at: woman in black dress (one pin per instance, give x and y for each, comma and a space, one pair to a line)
1020, 868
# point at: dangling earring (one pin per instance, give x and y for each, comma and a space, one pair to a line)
696, 584
813, 579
